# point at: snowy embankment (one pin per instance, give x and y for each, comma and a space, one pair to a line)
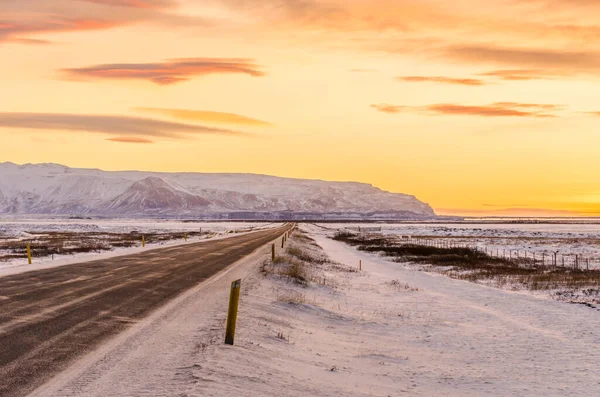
385, 331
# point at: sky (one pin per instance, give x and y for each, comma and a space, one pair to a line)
475, 107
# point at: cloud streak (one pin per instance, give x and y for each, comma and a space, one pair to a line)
129, 139
148, 4
123, 126
206, 116
498, 109
12, 31
563, 60
387, 108
168, 72
522, 74
442, 80
23, 21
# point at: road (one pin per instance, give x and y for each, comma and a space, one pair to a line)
50, 317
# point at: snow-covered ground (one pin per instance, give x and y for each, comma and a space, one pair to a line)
22, 230
524, 240
17, 227
385, 331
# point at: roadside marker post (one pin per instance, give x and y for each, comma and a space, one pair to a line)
360, 265
143, 241
234, 299
282, 241
184, 236
28, 253
273, 253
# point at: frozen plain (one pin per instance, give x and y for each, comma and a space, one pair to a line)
386, 331
22, 229
563, 239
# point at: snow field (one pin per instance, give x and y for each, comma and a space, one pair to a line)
385, 331
21, 230
423, 335
541, 240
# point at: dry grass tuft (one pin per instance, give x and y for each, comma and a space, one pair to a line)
292, 297
401, 286
296, 272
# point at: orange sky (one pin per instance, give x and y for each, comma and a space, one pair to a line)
472, 106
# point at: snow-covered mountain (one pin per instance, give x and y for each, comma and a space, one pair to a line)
52, 189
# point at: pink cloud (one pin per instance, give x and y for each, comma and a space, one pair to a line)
169, 72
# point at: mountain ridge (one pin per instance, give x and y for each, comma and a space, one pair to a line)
55, 189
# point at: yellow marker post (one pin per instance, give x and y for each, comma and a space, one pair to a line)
28, 253
234, 299
360, 265
273, 253
143, 241
185, 236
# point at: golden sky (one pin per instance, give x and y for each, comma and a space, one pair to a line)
473, 106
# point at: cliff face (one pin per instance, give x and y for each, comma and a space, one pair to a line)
55, 189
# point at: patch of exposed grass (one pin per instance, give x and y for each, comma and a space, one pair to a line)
401, 286
303, 238
44, 244
296, 272
292, 297
303, 255
476, 266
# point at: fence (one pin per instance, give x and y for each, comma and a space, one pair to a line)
361, 229
556, 258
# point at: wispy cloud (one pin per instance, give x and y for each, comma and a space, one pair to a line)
24, 21
129, 139
136, 3
498, 109
122, 126
169, 72
387, 108
522, 74
13, 31
443, 80
206, 116
567, 61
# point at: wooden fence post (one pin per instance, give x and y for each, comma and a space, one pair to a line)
29, 253
234, 299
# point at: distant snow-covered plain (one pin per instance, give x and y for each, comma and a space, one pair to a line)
547, 239
524, 239
15, 232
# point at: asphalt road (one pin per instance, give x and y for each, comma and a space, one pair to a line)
50, 317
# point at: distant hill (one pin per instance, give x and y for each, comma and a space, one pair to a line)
52, 189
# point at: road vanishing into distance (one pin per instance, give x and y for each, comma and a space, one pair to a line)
50, 317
